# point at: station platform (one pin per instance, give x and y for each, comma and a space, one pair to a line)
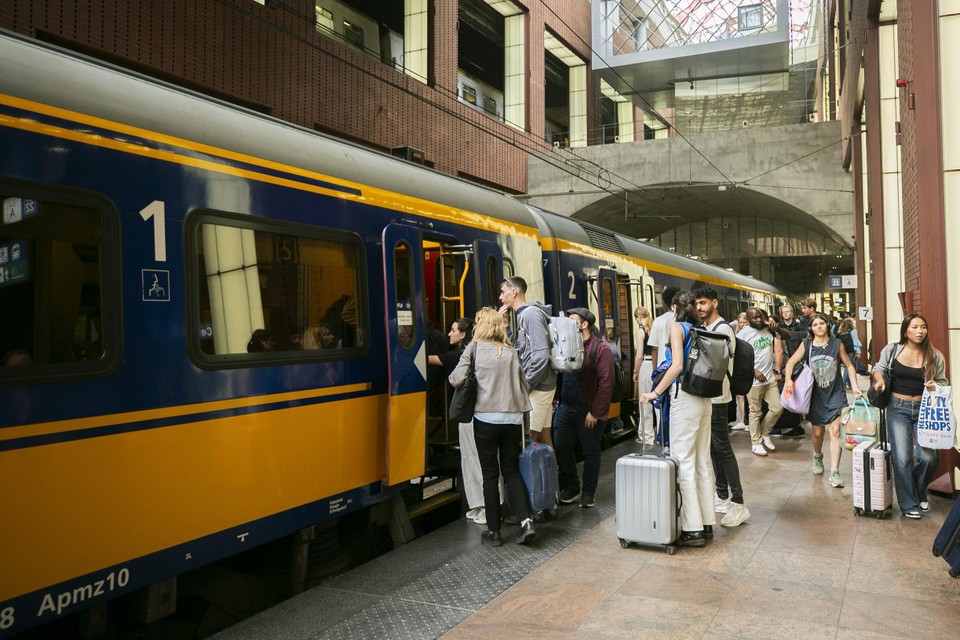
803, 566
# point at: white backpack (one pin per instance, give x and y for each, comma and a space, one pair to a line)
566, 344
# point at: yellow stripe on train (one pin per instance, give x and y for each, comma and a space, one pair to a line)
113, 498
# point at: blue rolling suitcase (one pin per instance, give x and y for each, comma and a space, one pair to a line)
538, 468
947, 543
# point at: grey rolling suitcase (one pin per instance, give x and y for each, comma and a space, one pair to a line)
647, 501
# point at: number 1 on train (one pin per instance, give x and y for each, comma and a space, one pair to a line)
155, 210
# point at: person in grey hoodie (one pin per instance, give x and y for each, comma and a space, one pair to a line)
532, 341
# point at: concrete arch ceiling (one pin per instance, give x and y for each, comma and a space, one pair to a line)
653, 210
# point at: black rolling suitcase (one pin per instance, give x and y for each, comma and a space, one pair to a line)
947, 543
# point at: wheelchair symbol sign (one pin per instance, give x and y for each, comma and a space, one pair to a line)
155, 285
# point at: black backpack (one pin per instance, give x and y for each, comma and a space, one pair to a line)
741, 379
847, 340
706, 364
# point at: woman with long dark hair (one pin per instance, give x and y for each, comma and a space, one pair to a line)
689, 433
829, 398
913, 365
459, 336
502, 400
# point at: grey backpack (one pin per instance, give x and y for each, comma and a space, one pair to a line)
706, 365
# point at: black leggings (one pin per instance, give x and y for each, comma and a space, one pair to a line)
498, 447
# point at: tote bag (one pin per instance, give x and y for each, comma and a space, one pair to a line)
465, 396
799, 400
937, 426
859, 422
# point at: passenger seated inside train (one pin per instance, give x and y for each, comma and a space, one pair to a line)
319, 336
261, 340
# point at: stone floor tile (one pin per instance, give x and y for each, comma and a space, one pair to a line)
736, 625
623, 616
798, 567
899, 616
776, 599
680, 584
537, 602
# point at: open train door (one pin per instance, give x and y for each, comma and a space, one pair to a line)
488, 273
406, 449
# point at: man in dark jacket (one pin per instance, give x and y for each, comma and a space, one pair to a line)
582, 413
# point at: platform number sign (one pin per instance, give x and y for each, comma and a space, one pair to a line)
836, 282
155, 283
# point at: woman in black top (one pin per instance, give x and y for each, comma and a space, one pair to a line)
913, 365
459, 336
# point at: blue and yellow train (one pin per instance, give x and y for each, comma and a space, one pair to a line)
214, 323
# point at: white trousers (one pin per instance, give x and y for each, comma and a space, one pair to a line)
646, 430
690, 445
470, 466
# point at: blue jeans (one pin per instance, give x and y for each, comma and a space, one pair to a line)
913, 465
568, 427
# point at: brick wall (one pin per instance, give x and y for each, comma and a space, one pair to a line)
271, 58
908, 154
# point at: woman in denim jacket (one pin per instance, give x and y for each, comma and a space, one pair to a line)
913, 365
502, 400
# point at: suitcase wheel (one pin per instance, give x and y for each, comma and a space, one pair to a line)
881, 514
624, 543
954, 573
670, 549
936, 554
857, 511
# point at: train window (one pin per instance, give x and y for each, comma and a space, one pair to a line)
493, 282
273, 288
52, 286
403, 276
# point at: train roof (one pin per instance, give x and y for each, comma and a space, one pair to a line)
564, 228
50, 75
53, 76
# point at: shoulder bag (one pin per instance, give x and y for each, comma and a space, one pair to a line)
799, 400
465, 396
880, 399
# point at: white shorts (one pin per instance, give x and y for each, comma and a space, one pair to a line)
541, 416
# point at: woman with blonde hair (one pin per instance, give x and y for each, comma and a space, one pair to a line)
642, 372
502, 400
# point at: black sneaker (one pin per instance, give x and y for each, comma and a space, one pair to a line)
692, 539
569, 496
586, 502
527, 534
491, 538
795, 432
775, 431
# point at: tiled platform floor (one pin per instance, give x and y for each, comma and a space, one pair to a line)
802, 567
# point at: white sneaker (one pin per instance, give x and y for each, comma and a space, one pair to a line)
740, 427
721, 506
758, 450
473, 513
736, 516
481, 517
768, 443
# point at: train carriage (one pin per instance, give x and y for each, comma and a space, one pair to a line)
221, 322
